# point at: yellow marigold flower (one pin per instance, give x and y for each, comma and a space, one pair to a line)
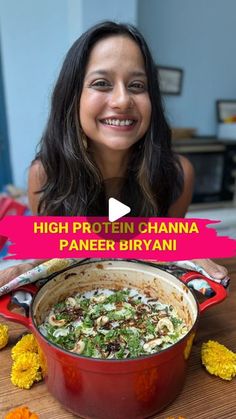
3, 335
218, 360
21, 413
27, 344
26, 370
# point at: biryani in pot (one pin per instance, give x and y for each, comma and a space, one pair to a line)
113, 324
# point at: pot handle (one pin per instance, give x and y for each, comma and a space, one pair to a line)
5, 302
220, 291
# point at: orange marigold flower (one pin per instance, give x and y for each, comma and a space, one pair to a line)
22, 412
172, 417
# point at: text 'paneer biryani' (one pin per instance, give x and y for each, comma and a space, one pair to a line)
111, 324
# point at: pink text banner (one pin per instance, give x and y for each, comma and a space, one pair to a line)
162, 239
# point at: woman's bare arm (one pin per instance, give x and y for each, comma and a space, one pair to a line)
179, 207
35, 182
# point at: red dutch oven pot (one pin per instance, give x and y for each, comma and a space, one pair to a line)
116, 389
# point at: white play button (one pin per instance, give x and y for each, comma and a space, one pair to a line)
117, 210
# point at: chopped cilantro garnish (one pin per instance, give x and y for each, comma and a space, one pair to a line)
176, 321
118, 297
114, 324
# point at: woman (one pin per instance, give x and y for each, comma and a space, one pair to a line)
107, 136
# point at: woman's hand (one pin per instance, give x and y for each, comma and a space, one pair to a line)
6, 275
213, 269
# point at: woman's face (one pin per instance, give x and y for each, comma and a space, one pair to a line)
115, 107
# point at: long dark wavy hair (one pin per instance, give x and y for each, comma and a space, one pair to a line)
74, 184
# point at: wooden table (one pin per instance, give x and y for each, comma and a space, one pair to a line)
203, 396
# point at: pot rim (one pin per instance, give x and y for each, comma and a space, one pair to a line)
100, 360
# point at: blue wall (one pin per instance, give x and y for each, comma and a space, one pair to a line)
119, 10
200, 37
35, 36
5, 164
34, 40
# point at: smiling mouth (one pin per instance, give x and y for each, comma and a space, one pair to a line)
118, 122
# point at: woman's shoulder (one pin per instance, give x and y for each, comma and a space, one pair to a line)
180, 206
36, 180
187, 167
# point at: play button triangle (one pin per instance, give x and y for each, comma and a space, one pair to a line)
116, 209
